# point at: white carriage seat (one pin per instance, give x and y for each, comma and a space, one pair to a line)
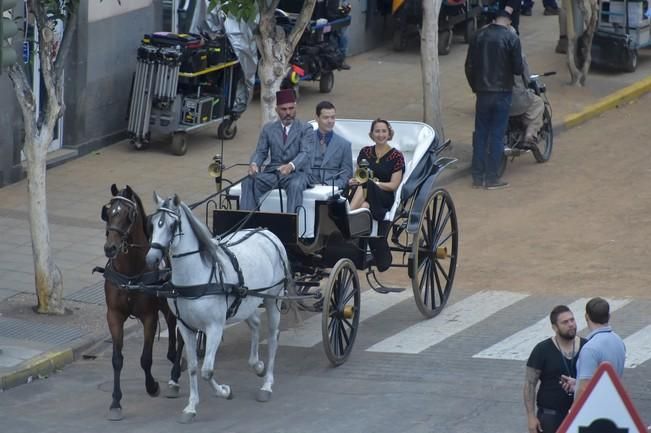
411, 138
306, 215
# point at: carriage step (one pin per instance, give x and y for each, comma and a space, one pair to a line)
384, 290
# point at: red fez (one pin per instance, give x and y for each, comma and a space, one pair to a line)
285, 96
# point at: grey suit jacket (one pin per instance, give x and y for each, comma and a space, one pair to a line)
337, 162
295, 150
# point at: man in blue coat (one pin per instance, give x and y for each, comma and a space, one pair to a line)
287, 143
332, 157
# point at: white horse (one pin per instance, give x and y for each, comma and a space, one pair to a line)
254, 259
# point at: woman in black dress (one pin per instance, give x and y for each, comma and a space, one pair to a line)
388, 166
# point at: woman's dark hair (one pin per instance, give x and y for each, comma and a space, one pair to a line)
386, 122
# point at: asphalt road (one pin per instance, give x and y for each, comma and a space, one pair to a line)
565, 231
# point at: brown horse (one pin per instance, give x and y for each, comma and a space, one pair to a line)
127, 243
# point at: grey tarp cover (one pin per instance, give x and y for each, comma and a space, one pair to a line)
240, 36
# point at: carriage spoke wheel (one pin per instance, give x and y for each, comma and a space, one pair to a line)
340, 317
434, 254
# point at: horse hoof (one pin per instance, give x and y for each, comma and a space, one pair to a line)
263, 396
173, 391
187, 418
230, 395
115, 414
155, 392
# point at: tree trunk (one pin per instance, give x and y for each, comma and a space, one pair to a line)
273, 65
276, 49
39, 130
432, 114
47, 276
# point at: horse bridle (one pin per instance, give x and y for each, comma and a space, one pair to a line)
124, 234
176, 226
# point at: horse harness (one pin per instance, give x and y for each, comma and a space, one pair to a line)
215, 284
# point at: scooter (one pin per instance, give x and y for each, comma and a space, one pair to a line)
514, 143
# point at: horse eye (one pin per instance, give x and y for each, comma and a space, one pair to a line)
160, 223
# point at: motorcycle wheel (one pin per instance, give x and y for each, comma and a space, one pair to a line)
543, 150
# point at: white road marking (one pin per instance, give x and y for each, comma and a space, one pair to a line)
372, 303
519, 345
638, 347
452, 320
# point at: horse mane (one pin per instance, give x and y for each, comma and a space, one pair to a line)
141, 211
201, 231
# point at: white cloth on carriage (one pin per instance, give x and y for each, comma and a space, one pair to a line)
411, 138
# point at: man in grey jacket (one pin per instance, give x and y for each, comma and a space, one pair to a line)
332, 157
527, 104
287, 142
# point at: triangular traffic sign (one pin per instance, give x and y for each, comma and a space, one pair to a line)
603, 404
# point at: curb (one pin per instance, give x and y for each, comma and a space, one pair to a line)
611, 101
46, 363
41, 365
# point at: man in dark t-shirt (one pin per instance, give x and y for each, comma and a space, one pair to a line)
550, 359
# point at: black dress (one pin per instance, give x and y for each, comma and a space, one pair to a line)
381, 201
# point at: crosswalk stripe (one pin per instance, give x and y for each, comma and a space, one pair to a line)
452, 320
638, 347
371, 303
519, 345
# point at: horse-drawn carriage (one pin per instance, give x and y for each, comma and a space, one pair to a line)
325, 239
311, 257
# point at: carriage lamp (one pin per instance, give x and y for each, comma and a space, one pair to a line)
215, 168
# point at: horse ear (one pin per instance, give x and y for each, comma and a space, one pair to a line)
176, 200
157, 199
114, 190
129, 191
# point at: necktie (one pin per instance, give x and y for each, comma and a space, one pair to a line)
284, 135
323, 145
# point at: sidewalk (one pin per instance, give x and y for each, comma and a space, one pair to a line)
381, 83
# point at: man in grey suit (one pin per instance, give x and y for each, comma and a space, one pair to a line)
332, 157
287, 143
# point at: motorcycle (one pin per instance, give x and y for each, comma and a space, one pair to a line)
514, 142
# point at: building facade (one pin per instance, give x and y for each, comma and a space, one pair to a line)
98, 75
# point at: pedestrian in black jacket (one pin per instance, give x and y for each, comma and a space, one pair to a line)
494, 57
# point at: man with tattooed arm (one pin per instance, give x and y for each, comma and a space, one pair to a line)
549, 360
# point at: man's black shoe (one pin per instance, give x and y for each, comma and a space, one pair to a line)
344, 66
498, 184
526, 12
551, 11
477, 184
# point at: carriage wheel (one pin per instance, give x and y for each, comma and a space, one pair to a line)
340, 317
434, 254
